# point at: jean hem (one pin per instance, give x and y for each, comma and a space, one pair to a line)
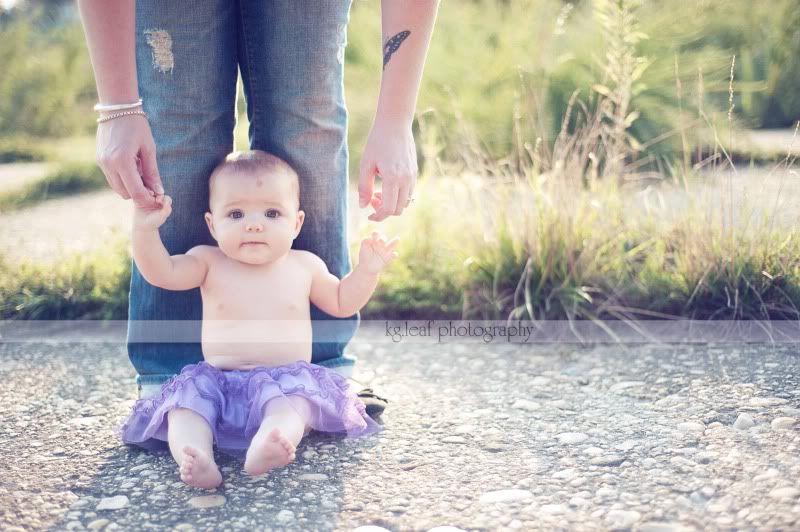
144, 380
342, 365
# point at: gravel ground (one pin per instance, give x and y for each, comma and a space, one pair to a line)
478, 437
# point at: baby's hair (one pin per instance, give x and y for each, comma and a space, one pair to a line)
253, 163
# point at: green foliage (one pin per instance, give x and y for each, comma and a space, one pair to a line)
488, 62
21, 149
408, 291
47, 86
73, 178
779, 105
426, 281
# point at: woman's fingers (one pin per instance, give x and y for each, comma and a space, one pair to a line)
115, 181
143, 197
149, 169
126, 154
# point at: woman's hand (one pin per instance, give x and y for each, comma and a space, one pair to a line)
390, 153
126, 153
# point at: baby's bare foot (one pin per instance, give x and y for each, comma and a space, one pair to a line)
199, 470
268, 452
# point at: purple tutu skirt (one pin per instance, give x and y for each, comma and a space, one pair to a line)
232, 402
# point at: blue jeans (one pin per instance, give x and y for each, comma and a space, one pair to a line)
291, 56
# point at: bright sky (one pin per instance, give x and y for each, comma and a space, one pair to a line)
7, 3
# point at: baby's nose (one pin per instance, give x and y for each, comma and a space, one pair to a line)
255, 226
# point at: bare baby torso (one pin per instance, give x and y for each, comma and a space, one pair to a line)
256, 315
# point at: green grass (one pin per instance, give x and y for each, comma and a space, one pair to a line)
21, 149
582, 255
570, 255
92, 286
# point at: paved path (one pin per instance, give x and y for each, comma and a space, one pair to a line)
17, 175
479, 437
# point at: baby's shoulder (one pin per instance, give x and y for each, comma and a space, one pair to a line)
306, 259
205, 253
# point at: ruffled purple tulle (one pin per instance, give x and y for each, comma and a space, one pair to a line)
232, 402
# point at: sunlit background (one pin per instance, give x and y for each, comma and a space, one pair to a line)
582, 160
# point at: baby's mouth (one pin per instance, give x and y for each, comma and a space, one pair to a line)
253, 243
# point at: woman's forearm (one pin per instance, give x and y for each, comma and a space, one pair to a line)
109, 26
407, 29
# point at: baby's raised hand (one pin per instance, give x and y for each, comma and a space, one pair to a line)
149, 219
376, 253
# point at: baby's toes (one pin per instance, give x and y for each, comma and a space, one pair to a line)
188, 462
287, 445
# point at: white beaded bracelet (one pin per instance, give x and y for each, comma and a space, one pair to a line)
117, 115
117, 107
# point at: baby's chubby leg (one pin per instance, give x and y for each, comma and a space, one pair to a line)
191, 444
285, 422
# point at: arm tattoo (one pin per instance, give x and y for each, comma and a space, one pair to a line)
392, 45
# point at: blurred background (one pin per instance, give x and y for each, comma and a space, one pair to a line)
589, 159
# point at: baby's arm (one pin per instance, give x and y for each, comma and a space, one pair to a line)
177, 272
344, 298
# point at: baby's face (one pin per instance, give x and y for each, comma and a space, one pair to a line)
254, 219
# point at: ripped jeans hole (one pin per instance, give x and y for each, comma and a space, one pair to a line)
161, 43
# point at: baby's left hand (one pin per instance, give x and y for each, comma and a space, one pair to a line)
376, 253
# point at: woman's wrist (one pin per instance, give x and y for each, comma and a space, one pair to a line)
121, 106
111, 111
394, 119
121, 114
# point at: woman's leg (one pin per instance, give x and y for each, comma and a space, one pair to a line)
191, 444
292, 63
186, 58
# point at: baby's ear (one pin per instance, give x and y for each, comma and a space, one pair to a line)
210, 224
301, 216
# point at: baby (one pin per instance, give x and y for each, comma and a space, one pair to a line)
256, 389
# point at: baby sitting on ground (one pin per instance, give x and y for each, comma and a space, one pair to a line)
256, 388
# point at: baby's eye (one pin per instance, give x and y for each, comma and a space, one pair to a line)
273, 213
235, 214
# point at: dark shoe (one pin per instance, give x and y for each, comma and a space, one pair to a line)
375, 404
